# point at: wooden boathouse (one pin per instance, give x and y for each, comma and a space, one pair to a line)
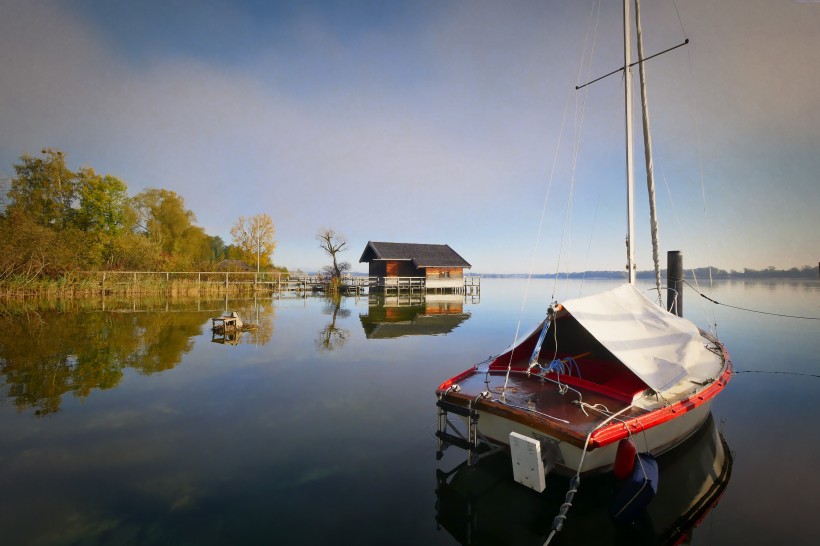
414, 266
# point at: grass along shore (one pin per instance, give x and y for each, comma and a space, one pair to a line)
172, 283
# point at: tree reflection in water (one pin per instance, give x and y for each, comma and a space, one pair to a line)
47, 351
331, 336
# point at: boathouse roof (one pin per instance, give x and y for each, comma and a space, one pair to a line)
422, 255
233, 265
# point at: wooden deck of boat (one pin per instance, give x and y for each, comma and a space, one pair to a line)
537, 403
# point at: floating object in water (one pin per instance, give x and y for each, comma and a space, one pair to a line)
230, 323
635, 493
624, 459
238, 322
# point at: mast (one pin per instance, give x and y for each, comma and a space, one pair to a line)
630, 212
647, 145
650, 179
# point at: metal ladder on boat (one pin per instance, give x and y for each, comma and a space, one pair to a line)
448, 434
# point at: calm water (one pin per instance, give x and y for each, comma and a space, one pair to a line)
127, 423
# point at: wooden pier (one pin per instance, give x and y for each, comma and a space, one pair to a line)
233, 281
470, 285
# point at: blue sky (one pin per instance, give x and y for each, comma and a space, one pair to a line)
434, 121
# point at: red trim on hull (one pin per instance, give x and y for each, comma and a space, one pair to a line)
618, 431
446, 385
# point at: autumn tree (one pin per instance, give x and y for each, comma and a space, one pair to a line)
39, 225
26, 248
54, 219
254, 236
162, 217
134, 251
333, 243
103, 203
218, 248
44, 189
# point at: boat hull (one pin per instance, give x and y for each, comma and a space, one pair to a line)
655, 440
585, 424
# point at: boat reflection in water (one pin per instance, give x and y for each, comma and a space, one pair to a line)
419, 314
482, 504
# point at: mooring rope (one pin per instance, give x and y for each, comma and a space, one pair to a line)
702, 295
575, 482
776, 372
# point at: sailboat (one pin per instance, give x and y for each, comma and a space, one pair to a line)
596, 374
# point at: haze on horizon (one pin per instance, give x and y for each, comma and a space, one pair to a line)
434, 122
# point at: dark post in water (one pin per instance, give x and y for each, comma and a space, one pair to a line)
674, 282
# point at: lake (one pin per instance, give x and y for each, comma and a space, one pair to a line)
130, 422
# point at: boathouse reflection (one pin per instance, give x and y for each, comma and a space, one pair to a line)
412, 314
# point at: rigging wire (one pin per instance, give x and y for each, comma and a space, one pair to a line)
577, 144
679, 20
538, 235
537, 242
715, 302
544, 207
696, 120
589, 244
712, 324
680, 231
598, 197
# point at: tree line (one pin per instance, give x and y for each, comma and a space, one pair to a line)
771, 272
55, 220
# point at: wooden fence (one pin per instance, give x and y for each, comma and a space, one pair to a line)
195, 282
205, 280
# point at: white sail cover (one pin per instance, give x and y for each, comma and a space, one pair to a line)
659, 347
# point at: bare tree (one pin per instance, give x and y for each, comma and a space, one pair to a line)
331, 336
333, 243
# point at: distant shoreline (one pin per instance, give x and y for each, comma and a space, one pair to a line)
803, 273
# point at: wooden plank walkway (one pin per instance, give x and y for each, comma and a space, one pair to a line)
470, 285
